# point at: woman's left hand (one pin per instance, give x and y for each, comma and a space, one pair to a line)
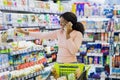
68, 29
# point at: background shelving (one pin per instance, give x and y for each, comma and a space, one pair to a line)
95, 48
24, 52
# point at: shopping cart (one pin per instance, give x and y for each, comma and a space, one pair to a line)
68, 68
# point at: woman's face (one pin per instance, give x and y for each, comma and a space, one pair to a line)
63, 22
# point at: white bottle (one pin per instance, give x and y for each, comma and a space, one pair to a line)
103, 76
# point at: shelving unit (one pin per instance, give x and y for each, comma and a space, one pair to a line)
115, 54
95, 47
19, 54
114, 46
26, 10
101, 41
98, 27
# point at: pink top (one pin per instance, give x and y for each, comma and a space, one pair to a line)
67, 47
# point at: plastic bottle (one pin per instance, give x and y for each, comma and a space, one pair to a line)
103, 76
14, 3
95, 10
95, 60
5, 2
108, 60
86, 10
74, 8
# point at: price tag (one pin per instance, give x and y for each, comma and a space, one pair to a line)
29, 76
23, 51
5, 69
1, 71
0, 7
23, 78
3, 7
12, 8
34, 74
9, 8
18, 52
29, 50
37, 73
39, 11
26, 77
35, 10
9, 68
31, 10
19, 78
102, 30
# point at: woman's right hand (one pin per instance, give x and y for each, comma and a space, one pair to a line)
22, 31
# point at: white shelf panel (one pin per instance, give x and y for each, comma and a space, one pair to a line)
116, 43
96, 65
101, 31
77, 54
115, 70
114, 76
26, 9
117, 31
95, 31
87, 39
93, 19
26, 50
22, 38
90, 30
95, 54
102, 42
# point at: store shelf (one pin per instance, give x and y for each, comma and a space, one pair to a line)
26, 10
94, 18
115, 70
44, 73
94, 54
100, 31
96, 65
25, 51
114, 77
52, 29
10, 68
118, 31
41, 27
116, 42
3, 29
88, 39
95, 30
26, 38
28, 76
90, 30
102, 42
27, 26
21, 26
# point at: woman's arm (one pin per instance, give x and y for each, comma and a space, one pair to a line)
40, 35
44, 35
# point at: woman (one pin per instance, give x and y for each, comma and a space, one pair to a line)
69, 37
